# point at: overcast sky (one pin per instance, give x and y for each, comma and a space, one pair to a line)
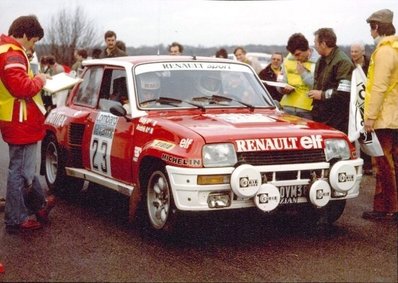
211, 23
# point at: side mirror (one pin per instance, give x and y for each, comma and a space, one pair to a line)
119, 111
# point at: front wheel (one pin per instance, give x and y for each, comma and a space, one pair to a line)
334, 210
54, 170
328, 214
159, 201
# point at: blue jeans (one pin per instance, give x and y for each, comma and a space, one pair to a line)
25, 195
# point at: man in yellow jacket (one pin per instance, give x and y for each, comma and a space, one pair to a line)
299, 67
381, 114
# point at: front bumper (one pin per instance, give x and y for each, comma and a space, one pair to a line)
190, 196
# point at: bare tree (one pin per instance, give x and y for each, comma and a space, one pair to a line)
68, 30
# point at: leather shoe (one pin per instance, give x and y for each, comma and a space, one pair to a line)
30, 224
42, 216
391, 216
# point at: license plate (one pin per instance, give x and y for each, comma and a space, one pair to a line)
293, 194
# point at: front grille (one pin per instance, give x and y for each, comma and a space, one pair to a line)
281, 157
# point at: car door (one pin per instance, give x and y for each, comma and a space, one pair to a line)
108, 137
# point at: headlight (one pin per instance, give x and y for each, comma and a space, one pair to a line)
336, 148
219, 155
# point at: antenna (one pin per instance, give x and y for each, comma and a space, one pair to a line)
158, 27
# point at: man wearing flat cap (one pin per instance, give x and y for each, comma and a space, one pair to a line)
381, 16
381, 114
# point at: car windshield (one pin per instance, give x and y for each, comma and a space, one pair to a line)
198, 85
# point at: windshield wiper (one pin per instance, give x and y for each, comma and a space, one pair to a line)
171, 101
225, 98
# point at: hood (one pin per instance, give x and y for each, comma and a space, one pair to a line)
236, 126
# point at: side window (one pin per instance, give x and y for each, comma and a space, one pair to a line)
119, 85
113, 89
89, 89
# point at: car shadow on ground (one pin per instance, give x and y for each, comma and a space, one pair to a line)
217, 227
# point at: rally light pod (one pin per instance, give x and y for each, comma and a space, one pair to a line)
342, 176
267, 198
245, 181
319, 193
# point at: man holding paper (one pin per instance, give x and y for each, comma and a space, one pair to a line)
299, 66
381, 114
21, 125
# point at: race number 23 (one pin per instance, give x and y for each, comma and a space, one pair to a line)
100, 155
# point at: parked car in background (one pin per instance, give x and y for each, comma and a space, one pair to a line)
193, 134
263, 58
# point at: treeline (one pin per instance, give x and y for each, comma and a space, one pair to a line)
195, 50
210, 51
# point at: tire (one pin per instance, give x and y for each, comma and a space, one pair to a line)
54, 170
327, 214
159, 203
334, 210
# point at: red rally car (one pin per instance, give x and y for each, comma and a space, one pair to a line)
179, 133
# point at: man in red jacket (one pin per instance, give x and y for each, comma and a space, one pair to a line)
21, 125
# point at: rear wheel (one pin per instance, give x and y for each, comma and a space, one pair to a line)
54, 170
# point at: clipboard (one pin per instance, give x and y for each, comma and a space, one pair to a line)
277, 84
60, 82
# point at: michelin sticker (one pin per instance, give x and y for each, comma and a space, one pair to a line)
101, 143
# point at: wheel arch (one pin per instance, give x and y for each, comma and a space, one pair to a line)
136, 206
48, 135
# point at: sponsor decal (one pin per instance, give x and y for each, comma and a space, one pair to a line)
56, 119
147, 121
105, 125
265, 198
186, 143
137, 152
163, 145
196, 66
146, 125
320, 194
242, 118
246, 182
284, 143
344, 177
181, 161
144, 129
183, 66
167, 67
101, 142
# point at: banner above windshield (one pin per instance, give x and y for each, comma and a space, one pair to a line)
180, 66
